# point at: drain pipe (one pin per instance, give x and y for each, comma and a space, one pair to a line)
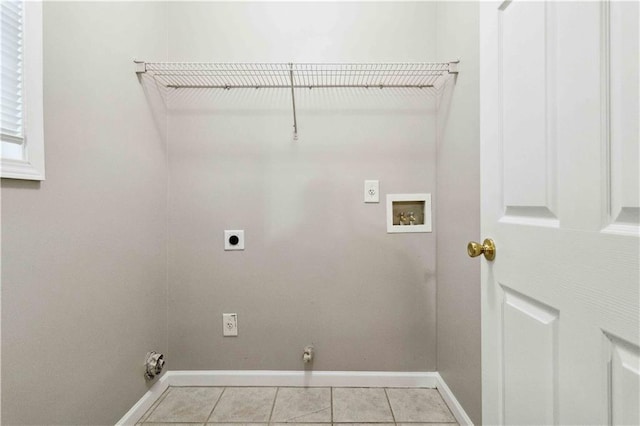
153, 365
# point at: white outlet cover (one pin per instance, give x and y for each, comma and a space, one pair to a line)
228, 239
229, 324
371, 191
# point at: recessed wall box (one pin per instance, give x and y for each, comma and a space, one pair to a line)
408, 213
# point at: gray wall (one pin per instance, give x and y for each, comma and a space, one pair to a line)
84, 252
319, 266
458, 209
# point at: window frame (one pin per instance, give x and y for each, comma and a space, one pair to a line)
31, 166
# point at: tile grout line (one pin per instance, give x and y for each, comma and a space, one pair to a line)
447, 405
331, 403
153, 407
393, 416
273, 406
215, 405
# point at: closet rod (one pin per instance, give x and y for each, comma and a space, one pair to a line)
300, 86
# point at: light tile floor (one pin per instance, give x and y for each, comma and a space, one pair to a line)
319, 406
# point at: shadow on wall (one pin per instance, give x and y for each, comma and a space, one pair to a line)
444, 106
156, 96
21, 184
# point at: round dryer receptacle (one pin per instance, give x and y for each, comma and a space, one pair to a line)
234, 239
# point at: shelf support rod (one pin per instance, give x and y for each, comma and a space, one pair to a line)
293, 101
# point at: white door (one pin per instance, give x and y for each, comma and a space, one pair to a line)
560, 198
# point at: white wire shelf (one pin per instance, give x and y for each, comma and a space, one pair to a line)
298, 75
415, 75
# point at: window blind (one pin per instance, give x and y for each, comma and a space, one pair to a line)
11, 30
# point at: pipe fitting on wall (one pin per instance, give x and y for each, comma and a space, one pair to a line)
153, 365
307, 355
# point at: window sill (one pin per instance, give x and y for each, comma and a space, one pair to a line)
18, 169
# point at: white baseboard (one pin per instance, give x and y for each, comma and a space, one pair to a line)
303, 378
295, 379
456, 409
139, 408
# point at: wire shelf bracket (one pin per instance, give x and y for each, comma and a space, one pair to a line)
240, 75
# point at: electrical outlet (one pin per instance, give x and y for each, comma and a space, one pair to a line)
229, 324
371, 191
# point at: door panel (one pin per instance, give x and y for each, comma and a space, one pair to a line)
559, 138
524, 87
624, 131
529, 366
624, 379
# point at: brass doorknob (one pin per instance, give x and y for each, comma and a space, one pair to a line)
488, 248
